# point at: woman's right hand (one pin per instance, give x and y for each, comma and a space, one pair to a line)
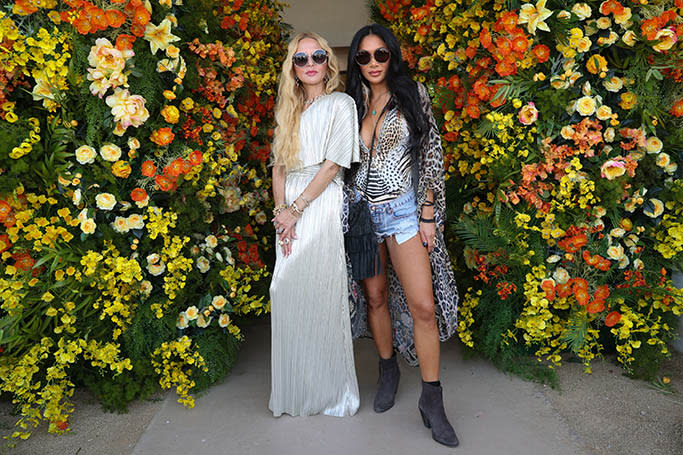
285, 223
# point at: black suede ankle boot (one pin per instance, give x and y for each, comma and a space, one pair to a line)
389, 375
434, 416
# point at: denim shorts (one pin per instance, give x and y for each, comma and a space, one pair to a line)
397, 217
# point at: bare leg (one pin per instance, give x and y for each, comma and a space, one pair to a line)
411, 263
378, 310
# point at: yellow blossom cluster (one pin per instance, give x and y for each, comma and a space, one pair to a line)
466, 316
174, 361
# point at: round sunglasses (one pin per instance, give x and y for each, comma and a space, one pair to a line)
381, 56
301, 58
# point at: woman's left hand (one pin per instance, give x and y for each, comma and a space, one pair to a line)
285, 223
428, 234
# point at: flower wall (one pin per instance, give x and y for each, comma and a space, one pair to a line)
133, 195
562, 131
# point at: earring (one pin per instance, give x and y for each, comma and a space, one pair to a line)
298, 81
326, 78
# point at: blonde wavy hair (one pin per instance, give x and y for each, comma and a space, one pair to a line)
290, 102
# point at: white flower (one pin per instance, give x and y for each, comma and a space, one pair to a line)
228, 256
224, 320
192, 313
153, 258
586, 106
120, 225
638, 264
135, 221
561, 275
582, 10
202, 322
604, 112
156, 269
182, 321
203, 264
76, 198
617, 232
110, 152
609, 134
105, 201
219, 302
82, 215
655, 210
615, 252
654, 144
554, 258
624, 262
85, 154
211, 241
613, 84
88, 226
146, 287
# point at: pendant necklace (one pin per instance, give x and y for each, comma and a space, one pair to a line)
374, 111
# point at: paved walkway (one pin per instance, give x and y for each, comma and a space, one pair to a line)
493, 414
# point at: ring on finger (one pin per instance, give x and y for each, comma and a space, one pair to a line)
280, 242
286, 241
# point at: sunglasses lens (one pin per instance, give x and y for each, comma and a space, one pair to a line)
319, 57
300, 59
363, 57
382, 55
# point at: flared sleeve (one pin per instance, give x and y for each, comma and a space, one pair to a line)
342, 146
431, 160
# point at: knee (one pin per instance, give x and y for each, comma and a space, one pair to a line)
377, 299
423, 313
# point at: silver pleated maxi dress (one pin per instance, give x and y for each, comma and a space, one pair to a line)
312, 353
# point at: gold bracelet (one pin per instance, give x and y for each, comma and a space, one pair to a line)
279, 208
295, 210
305, 200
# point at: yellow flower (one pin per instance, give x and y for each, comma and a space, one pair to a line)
170, 114
582, 10
604, 112
182, 321
653, 144
121, 169
663, 160
172, 51
667, 38
219, 302
615, 252
159, 36
628, 100
169, 95
596, 64
629, 38
586, 106
613, 84
535, 16
47, 297
187, 104
561, 275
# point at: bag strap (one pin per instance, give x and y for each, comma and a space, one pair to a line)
372, 142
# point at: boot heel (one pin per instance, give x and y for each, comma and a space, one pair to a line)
424, 419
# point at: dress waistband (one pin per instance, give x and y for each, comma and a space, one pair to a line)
312, 170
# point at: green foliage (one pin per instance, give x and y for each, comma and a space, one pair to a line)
218, 348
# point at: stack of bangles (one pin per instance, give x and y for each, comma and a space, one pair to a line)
293, 209
427, 220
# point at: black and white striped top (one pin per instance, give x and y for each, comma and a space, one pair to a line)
390, 174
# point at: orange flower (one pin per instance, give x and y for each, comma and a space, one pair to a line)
564, 289
611, 6
541, 52
505, 68
5, 210
125, 41
98, 18
23, 261
574, 243
115, 18
579, 283
485, 38
604, 265
24, 7
507, 21
419, 13
138, 194
590, 260
548, 286
504, 45
148, 168
5, 244
612, 319
582, 296
601, 293
649, 28
165, 184
596, 306
176, 168
162, 136
422, 30
677, 109
141, 16
196, 158
520, 44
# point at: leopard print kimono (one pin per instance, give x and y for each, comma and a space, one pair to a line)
431, 176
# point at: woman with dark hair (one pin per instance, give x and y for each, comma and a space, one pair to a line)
401, 176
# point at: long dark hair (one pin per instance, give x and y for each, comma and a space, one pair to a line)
403, 89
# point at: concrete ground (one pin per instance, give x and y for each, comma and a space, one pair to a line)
601, 414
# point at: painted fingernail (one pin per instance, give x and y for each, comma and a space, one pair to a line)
424, 243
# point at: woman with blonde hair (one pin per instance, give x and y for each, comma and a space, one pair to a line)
316, 138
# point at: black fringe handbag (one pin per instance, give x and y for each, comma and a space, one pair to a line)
360, 240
